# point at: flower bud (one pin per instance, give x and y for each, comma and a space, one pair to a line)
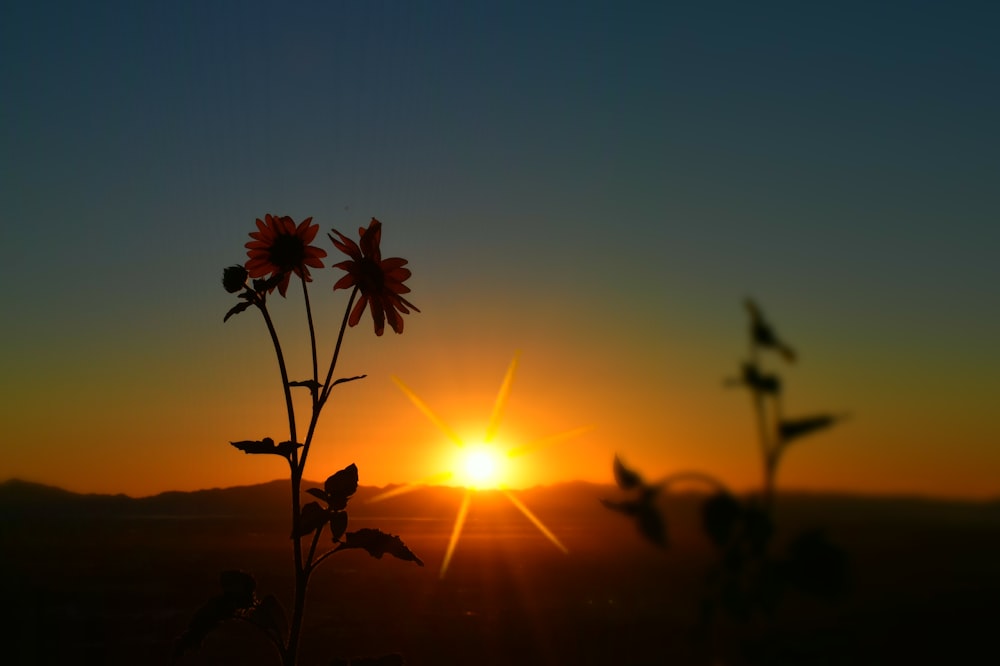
234, 278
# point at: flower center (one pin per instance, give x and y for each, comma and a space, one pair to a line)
372, 278
287, 252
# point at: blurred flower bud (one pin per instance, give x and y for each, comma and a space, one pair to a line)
234, 278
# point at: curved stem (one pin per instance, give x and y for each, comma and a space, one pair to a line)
693, 475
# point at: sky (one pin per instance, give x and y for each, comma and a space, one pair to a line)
593, 187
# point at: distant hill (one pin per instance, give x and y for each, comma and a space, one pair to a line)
571, 501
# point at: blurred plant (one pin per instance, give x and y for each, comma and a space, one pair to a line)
749, 578
280, 249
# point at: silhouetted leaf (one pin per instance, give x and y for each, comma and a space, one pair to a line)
207, 618
311, 384
341, 486
338, 524
316, 492
344, 380
720, 514
377, 543
236, 309
758, 528
261, 286
312, 518
266, 445
237, 596
270, 615
763, 334
817, 566
790, 429
238, 587
624, 477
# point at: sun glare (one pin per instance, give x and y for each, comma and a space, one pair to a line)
482, 465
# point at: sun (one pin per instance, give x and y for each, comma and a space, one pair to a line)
481, 465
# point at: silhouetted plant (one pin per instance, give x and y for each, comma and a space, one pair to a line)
749, 577
280, 249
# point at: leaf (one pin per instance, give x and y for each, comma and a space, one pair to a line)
720, 514
312, 518
624, 477
338, 524
344, 380
377, 543
310, 384
795, 428
204, 621
651, 524
817, 566
341, 486
237, 595
763, 334
236, 309
266, 445
270, 615
760, 382
316, 492
648, 517
238, 588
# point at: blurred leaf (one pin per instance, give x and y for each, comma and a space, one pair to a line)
624, 477
651, 524
628, 507
236, 309
266, 445
719, 515
758, 528
790, 429
763, 335
338, 524
760, 382
817, 566
377, 543
238, 587
341, 486
312, 518
344, 380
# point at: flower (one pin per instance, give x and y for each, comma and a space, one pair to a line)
380, 281
234, 278
281, 248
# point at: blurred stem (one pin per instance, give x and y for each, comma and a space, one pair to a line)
691, 475
767, 452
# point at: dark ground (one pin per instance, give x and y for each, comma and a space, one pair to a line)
86, 582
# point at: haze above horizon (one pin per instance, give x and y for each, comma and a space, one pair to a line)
596, 187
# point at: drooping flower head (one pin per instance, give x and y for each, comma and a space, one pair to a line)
379, 281
281, 248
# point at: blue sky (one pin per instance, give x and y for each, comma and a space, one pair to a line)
596, 184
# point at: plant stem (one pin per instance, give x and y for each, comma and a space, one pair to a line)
325, 390
312, 342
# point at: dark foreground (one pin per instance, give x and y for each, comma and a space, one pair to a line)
115, 583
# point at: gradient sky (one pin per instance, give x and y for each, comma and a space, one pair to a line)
595, 185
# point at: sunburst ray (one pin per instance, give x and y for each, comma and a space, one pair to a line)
456, 531
536, 521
